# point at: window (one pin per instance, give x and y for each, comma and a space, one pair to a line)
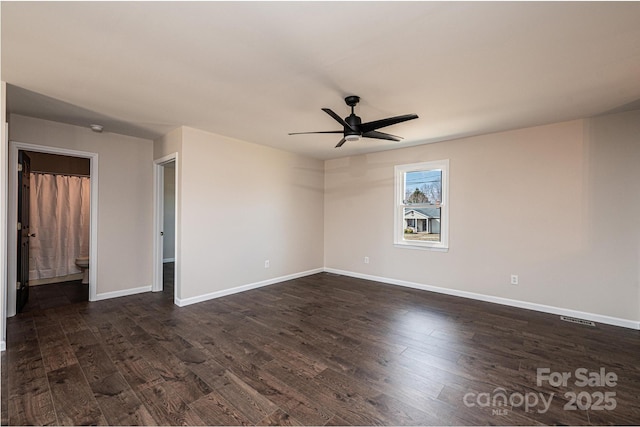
421, 205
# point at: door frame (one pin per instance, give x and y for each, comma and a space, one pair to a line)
12, 216
158, 224
23, 235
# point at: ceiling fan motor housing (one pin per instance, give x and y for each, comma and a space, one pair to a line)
353, 121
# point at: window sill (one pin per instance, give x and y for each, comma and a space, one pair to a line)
421, 247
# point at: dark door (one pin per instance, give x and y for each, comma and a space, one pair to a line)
22, 279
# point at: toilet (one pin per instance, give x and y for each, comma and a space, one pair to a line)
83, 264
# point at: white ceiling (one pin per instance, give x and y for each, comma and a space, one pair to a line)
257, 71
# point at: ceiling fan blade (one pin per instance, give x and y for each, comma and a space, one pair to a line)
337, 118
323, 131
377, 124
381, 135
342, 141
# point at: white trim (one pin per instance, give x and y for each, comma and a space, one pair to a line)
158, 201
123, 293
158, 213
12, 216
420, 248
615, 321
165, 260
225, 292
398, 212
4, 176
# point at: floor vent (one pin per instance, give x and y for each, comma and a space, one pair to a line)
578, 321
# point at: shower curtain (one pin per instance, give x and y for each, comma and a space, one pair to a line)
59, 216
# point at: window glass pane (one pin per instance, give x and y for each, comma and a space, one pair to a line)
423, 187
422, 224
421, 216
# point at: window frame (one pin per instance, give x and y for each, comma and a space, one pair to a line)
399, 206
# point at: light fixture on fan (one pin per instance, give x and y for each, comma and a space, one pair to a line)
351, 138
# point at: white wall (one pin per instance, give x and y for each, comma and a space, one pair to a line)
125, 197
242, 204
168, 242
558, 205
613, 211
168, 144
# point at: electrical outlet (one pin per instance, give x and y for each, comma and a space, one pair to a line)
514, 279
366, 260
266, 264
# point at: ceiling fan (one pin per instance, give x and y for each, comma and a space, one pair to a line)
354, 129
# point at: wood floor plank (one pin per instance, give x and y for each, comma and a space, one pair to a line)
60, 356
336, 420
134, 368
281, 418
28, 377
167, 408
214, 409
285, 396
226, 348
81, 338
73, 399
119, 404
4, 390
298, 398
385, 410
209, 371
72, 322
55, 348
296, 340
302, 362
34, 408
131, 330
163, 335
246, 399
95, 363
173, 371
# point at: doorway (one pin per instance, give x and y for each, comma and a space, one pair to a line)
57, 225
166, 248
17, 289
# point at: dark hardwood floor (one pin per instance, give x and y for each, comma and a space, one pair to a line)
53, 295
320, 350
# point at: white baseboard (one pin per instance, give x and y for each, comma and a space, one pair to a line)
3, 346
122, 293
615, 321
166, 260
201, 298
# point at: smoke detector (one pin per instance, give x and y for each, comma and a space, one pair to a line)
96, 128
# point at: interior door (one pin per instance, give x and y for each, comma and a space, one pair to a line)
22, 279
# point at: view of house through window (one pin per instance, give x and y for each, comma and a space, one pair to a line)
423, 197
421, 211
